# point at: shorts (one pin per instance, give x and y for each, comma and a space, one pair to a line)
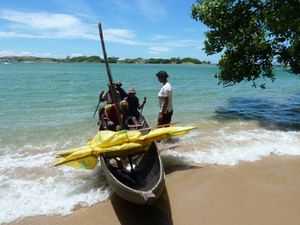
166, 118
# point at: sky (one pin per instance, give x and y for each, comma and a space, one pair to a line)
131, 28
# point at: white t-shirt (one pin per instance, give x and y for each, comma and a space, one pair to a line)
166, 91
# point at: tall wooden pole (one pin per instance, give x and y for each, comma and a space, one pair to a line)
111, 86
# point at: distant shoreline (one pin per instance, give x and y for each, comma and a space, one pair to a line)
97, 59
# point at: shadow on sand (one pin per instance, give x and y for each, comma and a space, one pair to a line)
132, 214
270, 114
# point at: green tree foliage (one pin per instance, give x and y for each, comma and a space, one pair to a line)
164, 61
97, 59
112, 59
251, 35
191, 60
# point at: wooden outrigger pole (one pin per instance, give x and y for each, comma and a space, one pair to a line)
111, 86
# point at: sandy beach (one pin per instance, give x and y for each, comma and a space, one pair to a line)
262, 192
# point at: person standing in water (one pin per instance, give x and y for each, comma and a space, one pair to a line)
165, 100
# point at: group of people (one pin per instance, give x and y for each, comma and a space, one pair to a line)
129, 114
129, 108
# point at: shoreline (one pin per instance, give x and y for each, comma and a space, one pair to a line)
97, 59
261, 192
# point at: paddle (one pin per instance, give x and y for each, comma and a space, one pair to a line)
159, 126
98, 103
167, 124
144, 102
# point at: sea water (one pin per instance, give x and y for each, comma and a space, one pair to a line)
48, 107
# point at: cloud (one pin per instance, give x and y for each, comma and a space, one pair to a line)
75, 54
156, 37
40, 20
121, 36
66, 34
45, 25
11, 34
124, 5
24, 53
183, 43
77, 7
152, 9
59, 26
159, 49
171, 44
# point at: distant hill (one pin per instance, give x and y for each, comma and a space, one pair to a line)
97, 59
27, 59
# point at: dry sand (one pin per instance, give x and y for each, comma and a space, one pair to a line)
265, 192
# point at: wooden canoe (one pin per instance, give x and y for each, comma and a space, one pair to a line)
136, 177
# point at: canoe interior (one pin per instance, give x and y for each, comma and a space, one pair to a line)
138, 171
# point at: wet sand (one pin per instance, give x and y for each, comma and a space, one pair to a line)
265, 192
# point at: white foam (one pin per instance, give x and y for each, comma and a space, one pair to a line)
230, 148
59, 193
30, 185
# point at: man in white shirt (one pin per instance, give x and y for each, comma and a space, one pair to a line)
165, 100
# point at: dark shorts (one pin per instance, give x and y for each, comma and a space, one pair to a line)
166, 118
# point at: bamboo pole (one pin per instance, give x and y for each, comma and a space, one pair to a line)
111, 86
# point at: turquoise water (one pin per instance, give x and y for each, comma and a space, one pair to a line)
56, 101
48, 107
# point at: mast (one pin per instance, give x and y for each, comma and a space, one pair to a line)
111, 86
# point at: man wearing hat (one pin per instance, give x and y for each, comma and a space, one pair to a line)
118, 85
133, 106
107, 95
165, 99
